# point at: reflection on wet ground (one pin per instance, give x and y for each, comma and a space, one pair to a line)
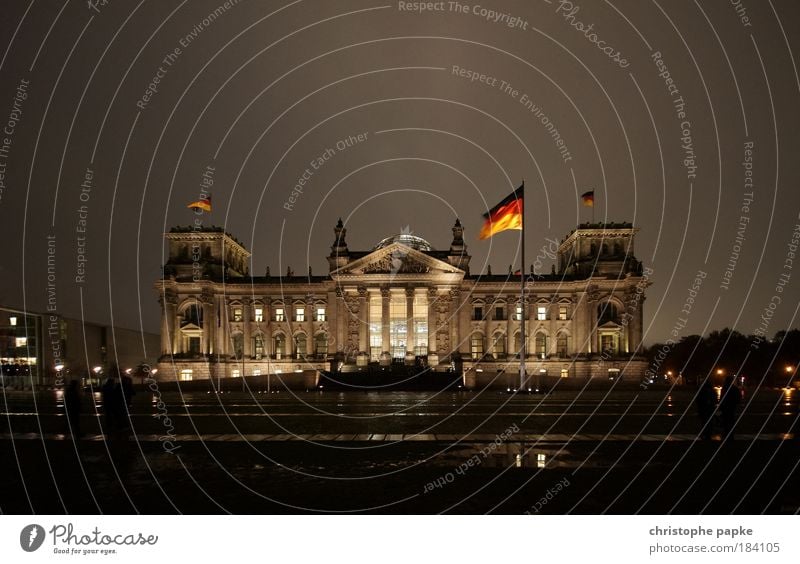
403, 453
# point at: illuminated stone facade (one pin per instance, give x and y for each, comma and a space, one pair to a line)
403, 302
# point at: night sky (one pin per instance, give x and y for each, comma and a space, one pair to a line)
681, 116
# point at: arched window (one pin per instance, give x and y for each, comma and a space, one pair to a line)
258, 345
561, 345
321, 345
499, 346
300, 345
476, 346
237, 340
280, 346
606, 312
541, 345
193, 314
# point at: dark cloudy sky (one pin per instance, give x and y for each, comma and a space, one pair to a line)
266, 87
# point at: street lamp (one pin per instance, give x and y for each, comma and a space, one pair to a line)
720, 372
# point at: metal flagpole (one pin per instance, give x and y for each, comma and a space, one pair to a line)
522, 347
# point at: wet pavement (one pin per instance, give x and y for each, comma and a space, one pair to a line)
598, 452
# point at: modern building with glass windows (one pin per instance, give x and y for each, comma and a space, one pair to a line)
402, 303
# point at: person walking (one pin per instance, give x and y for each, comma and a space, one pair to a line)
72, 406
111, 399
728, 404
706, 402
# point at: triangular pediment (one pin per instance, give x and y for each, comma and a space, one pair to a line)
396, 259
610, 325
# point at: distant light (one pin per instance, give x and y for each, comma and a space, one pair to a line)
479, 370
97, 369
720, 371
541, 459
59, 367
154, 371
669, 372
789, 368
518, 461
13, 321
128, 371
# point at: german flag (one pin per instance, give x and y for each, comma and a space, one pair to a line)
505, 215
202, 204
588, 198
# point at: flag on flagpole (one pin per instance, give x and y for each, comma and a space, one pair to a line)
588, 198
201, 204
505, 215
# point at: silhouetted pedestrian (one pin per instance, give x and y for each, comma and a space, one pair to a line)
126, 385
728, 403
72, 406
112, 399
706, 402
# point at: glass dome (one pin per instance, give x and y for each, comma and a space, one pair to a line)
406, 239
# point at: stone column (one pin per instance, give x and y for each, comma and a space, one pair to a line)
488, 341
363, 320
455, 320
410, 333
219, 325
385, 334
266, 327
336, 321
206, 341
432, 295
308, 325
227, 347
510, 310
177, 345
167, 321
247, 346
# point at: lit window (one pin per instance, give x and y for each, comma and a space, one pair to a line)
564, 372
541, 313
477, 346
186, 374
237, 314
300, 346
21, 341
561, 345
321, 345
299, 314
235, 373
279, 316
258, 346
320, 315
259, 314
541, 345
256, 372
499, 348
280, 346
518, 314
562, 313
13, 321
